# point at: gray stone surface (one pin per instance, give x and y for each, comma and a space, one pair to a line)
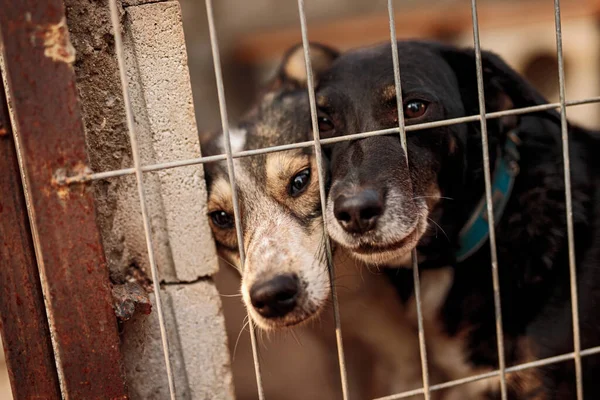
166, 131
199, 315
198, 348
165, 98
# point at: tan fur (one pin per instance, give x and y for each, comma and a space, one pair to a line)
528, 383
433, 194
321, 101
295, 67
389, 93
281, 167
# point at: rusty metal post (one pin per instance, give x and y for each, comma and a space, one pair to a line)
48, 131
23, 323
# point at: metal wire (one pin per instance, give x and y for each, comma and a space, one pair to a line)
138, 170
319, 156
247, 153
569, 204
521, 367
413, 255
490, 207
114, 14
231, 170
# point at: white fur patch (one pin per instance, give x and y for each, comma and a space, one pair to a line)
237, 139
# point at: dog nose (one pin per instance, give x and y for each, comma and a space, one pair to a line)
276, 297
359, 213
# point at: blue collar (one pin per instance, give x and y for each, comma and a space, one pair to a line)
476, 230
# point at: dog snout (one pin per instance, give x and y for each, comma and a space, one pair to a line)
358, 213
276, 297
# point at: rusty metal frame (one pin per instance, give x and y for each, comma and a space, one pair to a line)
23, 323
49, 137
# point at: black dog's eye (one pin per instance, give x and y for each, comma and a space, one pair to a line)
415, 109
299, 182
325, 123
222, 219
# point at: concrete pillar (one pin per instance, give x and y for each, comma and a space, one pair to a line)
166, 130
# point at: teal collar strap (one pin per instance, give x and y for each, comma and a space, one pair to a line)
476, 230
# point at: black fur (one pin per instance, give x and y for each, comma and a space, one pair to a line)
532, 233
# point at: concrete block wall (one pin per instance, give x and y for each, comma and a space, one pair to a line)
165, 126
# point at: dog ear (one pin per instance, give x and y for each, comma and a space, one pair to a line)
292, 70
504, 88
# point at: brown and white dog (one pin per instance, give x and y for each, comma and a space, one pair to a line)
285, 280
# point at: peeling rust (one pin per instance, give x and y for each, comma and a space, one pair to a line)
130, 298
66, 181
57, 45
80, 173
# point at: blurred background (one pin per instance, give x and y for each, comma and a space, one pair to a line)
253, 35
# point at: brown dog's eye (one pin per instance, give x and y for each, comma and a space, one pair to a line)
299, 182
415, 109
221, 219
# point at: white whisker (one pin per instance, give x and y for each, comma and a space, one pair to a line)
245, 324
436, 224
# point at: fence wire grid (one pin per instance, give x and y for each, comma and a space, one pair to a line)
138, 170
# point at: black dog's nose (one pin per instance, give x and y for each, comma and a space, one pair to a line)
276, 297
359, 213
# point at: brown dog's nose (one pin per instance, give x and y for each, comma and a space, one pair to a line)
359, 213
276, 297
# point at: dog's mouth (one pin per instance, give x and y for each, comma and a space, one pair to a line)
407, 243
290, 321
389, 241
396, 251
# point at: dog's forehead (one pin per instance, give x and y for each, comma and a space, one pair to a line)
281, 118
421, 66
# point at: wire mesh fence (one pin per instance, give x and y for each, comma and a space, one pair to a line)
503, 370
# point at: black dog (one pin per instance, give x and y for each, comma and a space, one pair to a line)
380, 209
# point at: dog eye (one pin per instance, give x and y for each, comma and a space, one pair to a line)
299, 183
415, 109
325, 124
222, 219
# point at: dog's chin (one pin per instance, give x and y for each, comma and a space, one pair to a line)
298, 317
392, 254
389, 258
